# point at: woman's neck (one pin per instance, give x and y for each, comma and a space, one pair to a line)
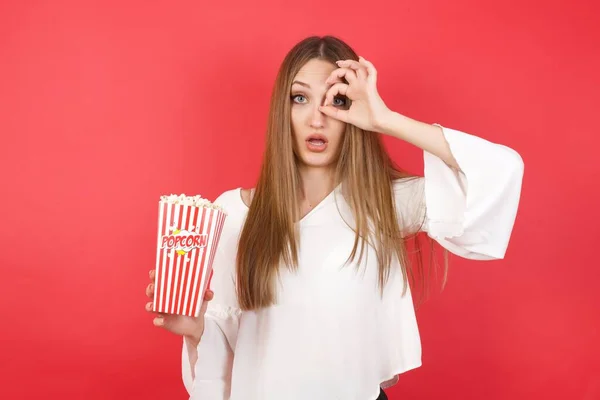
316, 183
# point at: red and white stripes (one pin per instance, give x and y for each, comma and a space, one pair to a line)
182, 276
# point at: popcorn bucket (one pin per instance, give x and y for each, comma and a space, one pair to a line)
189, 229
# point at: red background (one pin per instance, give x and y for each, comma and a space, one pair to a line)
105, 105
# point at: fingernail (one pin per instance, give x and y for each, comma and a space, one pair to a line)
152, 286
158, 321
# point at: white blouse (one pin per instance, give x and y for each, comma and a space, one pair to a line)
331, 335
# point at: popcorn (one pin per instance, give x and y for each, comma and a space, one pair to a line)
196, 201
189, 229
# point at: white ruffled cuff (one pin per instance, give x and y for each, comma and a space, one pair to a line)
472, 211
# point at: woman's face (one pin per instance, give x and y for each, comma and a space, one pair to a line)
317, 137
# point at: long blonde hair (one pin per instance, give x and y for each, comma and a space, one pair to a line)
270, 233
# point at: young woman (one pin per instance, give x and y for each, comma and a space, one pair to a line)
309, 295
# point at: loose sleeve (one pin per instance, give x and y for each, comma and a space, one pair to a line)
470, 212
210, 376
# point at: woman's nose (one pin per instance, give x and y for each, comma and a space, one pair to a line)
317, 118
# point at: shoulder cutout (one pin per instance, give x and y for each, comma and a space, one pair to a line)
247, 195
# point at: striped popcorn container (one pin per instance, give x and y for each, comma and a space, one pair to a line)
189, 228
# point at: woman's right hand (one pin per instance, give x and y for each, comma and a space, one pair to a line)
190, 327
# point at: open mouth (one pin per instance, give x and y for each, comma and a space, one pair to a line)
316, 143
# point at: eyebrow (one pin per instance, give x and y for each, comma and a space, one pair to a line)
301, 84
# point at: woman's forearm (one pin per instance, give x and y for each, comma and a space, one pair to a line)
429, 138
191, 344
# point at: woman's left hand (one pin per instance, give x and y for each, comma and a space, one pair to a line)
367, 110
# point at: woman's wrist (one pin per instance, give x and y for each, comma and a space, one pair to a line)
194, 339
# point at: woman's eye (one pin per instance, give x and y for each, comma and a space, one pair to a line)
341, 101
298, 98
